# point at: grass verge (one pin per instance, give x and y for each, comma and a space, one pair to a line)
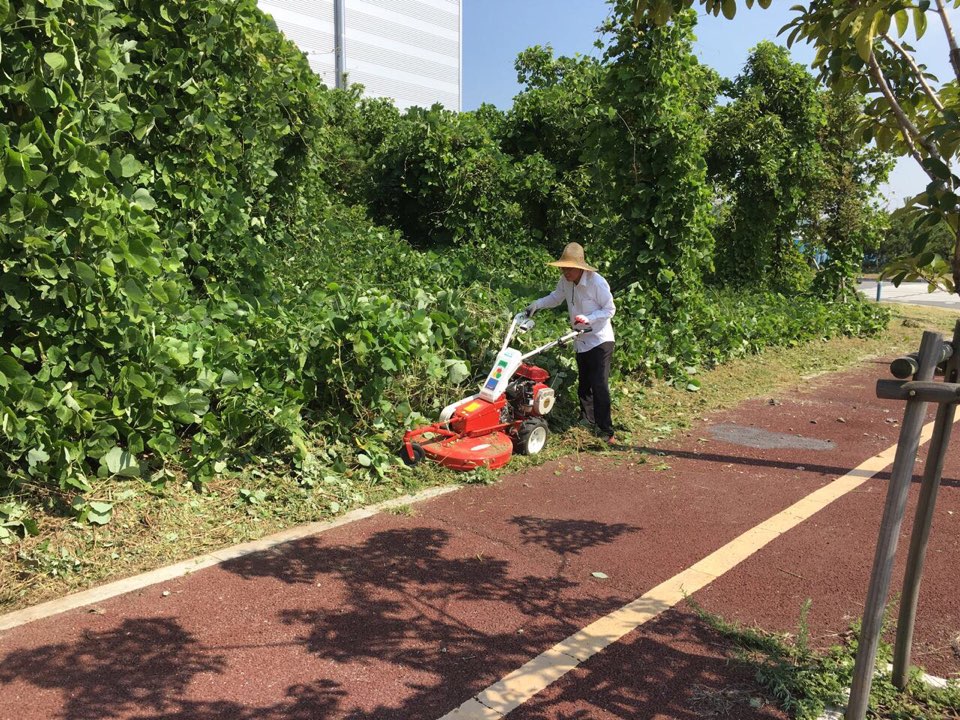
155, 525
805, 683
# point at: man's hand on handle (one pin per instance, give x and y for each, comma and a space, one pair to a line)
581, 320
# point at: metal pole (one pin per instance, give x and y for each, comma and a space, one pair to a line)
339, 55
879, 283
921, 527
907, 446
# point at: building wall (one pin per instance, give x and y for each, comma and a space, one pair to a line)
407, 50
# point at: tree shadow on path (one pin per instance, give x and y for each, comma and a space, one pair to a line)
570, 537
673, 667
426, 606
144, 663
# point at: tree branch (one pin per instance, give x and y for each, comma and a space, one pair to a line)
916, 70
911, 135
951, 38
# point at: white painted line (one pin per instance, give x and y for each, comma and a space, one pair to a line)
137, 582
548, 667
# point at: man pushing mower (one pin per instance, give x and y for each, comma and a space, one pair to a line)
589, 302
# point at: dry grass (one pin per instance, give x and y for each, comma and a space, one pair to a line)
150, 530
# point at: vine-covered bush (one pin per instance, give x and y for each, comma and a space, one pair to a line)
207, 257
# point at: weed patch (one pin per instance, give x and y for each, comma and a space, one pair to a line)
805, 682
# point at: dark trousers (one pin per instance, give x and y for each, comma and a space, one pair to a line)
594, 389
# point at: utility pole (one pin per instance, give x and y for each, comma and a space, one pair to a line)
338, 26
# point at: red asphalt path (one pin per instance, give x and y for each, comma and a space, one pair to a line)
408, 617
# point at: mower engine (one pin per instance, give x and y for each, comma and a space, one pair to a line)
528, 393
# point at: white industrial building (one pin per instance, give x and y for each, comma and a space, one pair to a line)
406, 50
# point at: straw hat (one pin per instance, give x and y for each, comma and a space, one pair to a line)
572, 257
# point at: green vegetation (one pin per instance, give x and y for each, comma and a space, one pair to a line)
805, 682
226, 290
150, 527
899, 238
863, 48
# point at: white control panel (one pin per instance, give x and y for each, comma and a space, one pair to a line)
504, 367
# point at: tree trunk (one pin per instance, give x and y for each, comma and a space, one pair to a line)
955, 265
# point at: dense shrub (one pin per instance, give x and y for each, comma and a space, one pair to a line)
208, 257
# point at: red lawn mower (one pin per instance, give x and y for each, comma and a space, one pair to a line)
508, 413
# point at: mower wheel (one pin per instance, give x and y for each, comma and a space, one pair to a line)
531, 436
418, 454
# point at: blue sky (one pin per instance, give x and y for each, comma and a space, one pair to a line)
494, 31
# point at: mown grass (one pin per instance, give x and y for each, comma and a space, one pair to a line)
156, 525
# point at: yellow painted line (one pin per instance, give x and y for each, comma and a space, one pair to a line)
171, 572
545, 669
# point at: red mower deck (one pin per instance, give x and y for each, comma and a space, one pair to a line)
468, 453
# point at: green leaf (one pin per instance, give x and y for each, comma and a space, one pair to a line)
903, 22
129, 167
41, 97
78, 482
866, 36
11, 371
174, 397
919, 22
143, 198
364, 460
120, 462
56, 61
99, 513
37, 456
134, 291
457, 371
86, 273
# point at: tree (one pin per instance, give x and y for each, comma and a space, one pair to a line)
548, 123
897, 238
649, 154
765, 160
908, 110
848, 219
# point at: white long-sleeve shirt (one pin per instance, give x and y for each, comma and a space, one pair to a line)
590, 297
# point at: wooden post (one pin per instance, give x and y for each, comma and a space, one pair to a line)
922, 524
903, 463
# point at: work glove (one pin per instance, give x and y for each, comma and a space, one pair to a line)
581, 320
529, 310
